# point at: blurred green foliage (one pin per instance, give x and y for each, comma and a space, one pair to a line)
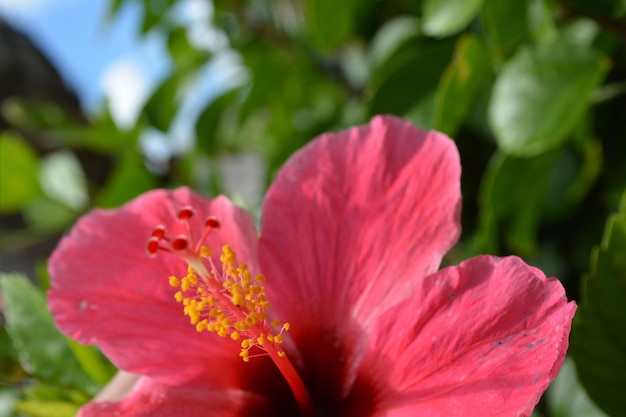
533, 92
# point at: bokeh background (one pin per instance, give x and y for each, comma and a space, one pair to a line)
101, 100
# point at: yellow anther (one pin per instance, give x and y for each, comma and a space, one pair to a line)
205, 252
286, 326
201, 326
229, 303
184, 284
191, 276
281, 353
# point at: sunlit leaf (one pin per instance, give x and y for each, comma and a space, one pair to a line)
391, 36
45, 215
63, 180
541, 94
18, 174
8, 397
567, 398
445, 17
599, 335
46, 408
541, 21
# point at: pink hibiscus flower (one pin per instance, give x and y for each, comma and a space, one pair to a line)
350, 316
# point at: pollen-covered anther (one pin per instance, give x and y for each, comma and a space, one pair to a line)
230, 302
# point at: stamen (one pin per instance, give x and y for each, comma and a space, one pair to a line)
229, 301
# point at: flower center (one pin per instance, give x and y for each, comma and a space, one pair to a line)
230, 302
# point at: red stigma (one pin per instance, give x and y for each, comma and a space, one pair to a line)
184, 244
185, 213
158, 232
179, 243
152, 246
213, 222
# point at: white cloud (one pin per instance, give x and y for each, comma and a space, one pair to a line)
125, 84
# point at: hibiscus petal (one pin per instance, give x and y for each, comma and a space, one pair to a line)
107, 290
486, 337
355, 218
152, 399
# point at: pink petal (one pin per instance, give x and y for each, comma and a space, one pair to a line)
484, 338
107, 290
356, 218
152, 399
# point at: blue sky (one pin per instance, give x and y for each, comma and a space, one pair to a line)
100, 57
87, 48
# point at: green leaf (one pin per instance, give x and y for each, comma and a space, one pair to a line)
114, 7
8, 397
605, 8
45, 215
208, 124
567, 398
63, 180
541, 94
43, 350
330, 22
391, 36
511, 198
60, 130
409, 76
599, 334
46, 408
183, 54
161, 107
575, 172
18, 174
93, 362
460, 83
129, 179
541, 24
506, 22
446, 17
